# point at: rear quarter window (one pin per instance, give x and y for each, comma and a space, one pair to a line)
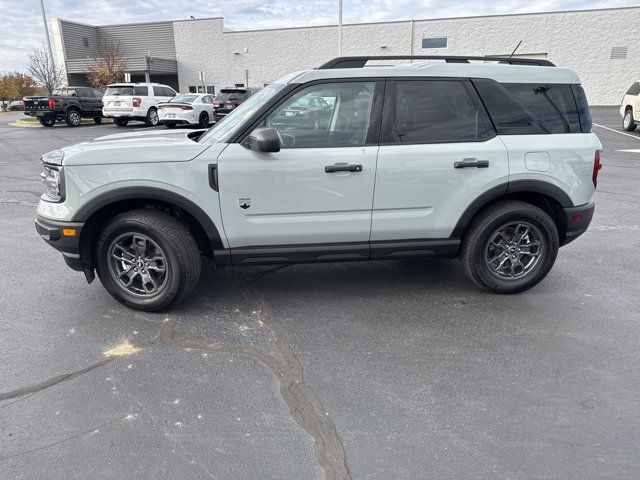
528, 109
141, 91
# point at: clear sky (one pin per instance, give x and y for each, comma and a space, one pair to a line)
21, 21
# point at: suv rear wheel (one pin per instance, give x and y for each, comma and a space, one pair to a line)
510, 247
147, 260
628, 122
152, 119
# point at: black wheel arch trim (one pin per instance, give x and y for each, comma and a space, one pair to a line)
151, 193
502, 191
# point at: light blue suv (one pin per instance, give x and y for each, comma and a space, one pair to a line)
489, 159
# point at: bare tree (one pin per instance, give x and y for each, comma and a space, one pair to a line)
44, 70
108, 67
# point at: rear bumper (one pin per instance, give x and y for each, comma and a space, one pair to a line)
577, 220
64, 237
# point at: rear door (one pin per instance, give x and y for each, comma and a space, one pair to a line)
318, 189
438, 153
88, 101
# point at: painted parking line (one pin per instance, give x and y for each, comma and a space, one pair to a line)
617, 131
630, 150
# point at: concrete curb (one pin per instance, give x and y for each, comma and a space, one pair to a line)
36, 124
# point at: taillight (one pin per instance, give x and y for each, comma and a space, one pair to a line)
136, 101
303, 112
216, 103
597, 166
52, 104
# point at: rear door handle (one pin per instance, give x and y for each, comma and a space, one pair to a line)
342, 167
471, 163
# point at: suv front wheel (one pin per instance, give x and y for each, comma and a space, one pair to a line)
147, 260
510, 247
628, 122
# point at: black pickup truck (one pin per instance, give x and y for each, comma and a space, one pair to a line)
70, 104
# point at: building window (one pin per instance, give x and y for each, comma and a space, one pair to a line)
210, 89
85, 41
434, 42
619, 53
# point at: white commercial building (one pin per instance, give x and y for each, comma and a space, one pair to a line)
603, 46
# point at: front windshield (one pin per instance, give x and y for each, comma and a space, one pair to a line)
223, 129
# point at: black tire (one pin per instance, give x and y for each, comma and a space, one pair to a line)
170, 125
47, 121
477, 247
628, 122
203, 121
176, 247
73, 118
121, 122
152, 118
97, 120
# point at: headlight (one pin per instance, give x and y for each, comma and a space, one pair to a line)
53, 184
53, 157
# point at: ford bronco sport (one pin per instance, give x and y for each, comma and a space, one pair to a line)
487, 159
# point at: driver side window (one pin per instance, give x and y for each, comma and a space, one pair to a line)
325, 115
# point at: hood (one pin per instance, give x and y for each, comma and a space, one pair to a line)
135, 147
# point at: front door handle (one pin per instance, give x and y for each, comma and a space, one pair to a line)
342, 167
471, 163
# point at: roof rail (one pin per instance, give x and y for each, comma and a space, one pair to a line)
360, 62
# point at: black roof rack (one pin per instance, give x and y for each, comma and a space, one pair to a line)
360, 62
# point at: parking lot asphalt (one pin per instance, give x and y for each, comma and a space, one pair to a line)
381, 370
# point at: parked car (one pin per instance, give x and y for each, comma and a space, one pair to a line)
135, 101
15, 106
187, 109
630, 108
70, 104
314, 112
230, 98
492, 163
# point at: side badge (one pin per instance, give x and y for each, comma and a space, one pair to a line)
244, 203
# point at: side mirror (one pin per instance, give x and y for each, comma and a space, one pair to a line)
265, 140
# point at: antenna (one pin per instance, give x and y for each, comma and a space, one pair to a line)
514, 50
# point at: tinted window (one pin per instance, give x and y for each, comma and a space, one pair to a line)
634, 89
141, 91
432, 111
525, 109
97, 93
340, 119
583, 108
65, 92
553, 105
184, 98
84, 92
119, 90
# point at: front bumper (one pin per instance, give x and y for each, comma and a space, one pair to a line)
577, 221
64, 237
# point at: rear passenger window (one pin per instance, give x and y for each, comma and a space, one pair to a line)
433, 111
141, 91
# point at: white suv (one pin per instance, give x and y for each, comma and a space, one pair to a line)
490, 162
630, 107
135, 101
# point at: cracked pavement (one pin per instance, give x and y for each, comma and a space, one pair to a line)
382, 370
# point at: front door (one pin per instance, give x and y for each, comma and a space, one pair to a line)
318, 189
438, 153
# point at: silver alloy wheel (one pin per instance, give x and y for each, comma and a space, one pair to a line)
153, 118
627, 120
514, 250
138, 265
74, 117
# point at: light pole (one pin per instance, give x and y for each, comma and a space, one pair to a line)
46, 32
339, 28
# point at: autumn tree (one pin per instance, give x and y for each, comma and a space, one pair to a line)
15, 85
44, 70
108, 67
